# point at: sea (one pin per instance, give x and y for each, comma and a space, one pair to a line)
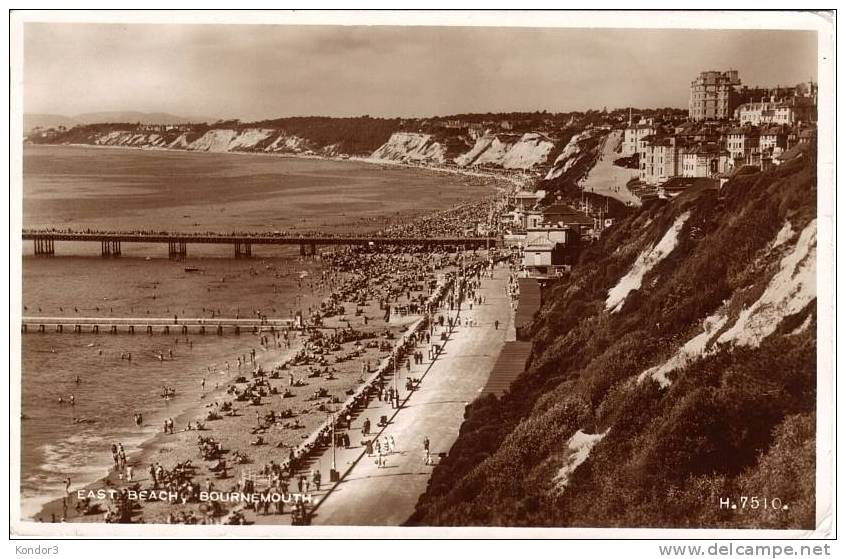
82, 188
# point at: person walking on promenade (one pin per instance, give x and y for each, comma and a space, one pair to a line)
316, 479
428, 459
496, 324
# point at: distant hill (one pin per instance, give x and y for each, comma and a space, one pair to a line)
31, 121
35, 120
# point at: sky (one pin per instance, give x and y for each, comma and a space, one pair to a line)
253, 72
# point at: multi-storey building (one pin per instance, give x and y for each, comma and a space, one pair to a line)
634, 133
714, 95
740, 141
659, 158
773, 137
665, 157
787, 111
704, 160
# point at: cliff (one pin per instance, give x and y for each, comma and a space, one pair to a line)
578, 150
407, 147
379, 140
524, 152
672, 367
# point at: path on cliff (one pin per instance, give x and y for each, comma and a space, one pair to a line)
386, 496
608, 179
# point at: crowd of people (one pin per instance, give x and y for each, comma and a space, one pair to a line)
386, 308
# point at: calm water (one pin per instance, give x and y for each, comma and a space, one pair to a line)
130, 189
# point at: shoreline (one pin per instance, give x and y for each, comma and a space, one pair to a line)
170, 450
157, 446
154, 440
515, 182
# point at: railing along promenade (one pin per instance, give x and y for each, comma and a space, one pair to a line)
110, 242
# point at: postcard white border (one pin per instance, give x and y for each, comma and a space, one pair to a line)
826, 430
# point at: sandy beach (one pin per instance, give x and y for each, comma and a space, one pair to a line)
385, 495
265, 412
317, 383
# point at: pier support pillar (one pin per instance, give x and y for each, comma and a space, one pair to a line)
113, 329
77, 329
167, 330
43, 246
177, 250
308, 249
59, 328
185, 329
131, 329
220, 330
202, 330
23, 328
95, 329
243, 250
149, 330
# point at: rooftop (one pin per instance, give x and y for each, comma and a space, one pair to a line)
566, 214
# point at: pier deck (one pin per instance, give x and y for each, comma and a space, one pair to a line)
110, 243
131, 325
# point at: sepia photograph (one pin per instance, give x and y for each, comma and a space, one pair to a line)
297, 272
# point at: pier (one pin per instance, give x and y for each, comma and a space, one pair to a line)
177, 243
151, 326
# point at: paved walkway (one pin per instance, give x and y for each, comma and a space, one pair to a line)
386, 496
608, 179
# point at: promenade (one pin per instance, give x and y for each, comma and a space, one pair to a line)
608, 179
386, 496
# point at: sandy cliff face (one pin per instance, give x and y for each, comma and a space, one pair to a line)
509, 152
126, 138
411, 147
529, 152
569, 156
217, 141
224, 140
288, 144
